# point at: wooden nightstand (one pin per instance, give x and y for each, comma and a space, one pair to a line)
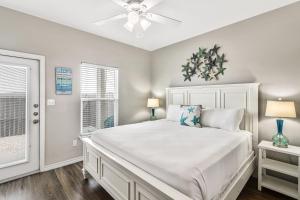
273, 183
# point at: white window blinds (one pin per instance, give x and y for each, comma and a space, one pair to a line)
99, 97
13, 99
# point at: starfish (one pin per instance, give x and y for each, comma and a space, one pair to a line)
215, 48
191, 109
182, 120
196, 120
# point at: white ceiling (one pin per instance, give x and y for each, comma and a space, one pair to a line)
198, 16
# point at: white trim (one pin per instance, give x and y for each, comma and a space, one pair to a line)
42, 112
27, 125
47, 168
14, 163
238, 183
63, 163
42, 80
98, 66
217, 86
20, 176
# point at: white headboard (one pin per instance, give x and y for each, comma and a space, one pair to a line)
221, 96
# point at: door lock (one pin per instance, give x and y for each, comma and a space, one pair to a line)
35, 114
36, 105
35, 121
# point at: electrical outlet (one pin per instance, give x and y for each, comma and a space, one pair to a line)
75, 142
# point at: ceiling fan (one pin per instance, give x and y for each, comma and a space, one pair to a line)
138, 16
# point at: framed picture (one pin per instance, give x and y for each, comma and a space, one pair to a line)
63, 80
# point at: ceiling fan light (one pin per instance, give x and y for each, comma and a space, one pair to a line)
133, 17
129, 26
145, 24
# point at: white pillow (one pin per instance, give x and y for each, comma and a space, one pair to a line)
173, 113
227, 119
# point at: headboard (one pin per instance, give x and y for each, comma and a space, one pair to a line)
221, 96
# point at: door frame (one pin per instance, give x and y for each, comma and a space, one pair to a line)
42, 79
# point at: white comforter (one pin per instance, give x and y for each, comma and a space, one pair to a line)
199, 162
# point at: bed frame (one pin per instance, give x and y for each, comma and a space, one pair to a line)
125, 181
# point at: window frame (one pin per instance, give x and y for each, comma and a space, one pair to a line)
115, 98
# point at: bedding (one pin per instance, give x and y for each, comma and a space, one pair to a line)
227, 119
199, 162
173, 113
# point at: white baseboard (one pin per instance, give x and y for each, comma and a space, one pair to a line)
20, 176
46, 168
62, 163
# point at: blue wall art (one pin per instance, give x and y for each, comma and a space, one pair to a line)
63, 80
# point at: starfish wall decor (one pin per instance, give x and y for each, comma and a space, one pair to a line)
206, 64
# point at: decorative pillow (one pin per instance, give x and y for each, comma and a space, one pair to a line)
227, 119
173, 113
190, 116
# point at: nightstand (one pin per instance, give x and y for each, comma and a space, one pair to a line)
273, 183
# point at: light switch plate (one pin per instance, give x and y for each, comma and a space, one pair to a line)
75, 142
51, 102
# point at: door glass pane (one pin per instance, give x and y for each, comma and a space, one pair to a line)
13, 114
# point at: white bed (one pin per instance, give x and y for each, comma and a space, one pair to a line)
199, 162
163, 160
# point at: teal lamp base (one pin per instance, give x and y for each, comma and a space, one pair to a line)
152, 116
279, 140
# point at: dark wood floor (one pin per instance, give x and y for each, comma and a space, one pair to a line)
67, 184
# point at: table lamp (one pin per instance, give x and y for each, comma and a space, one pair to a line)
153, 103
280, 109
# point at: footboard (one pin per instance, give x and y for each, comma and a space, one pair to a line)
123, 180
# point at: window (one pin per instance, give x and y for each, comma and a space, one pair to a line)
13, 114
99, 97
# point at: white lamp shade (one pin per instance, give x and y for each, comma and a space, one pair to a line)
281, 109
153, 103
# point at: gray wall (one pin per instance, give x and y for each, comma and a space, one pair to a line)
263, 49
65, 46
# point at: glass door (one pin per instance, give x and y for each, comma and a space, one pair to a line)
13, 115
19, 128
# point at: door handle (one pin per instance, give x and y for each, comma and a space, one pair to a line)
35, 121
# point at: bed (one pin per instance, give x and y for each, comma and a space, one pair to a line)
162, 160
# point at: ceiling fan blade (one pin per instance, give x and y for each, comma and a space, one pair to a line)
161, 19
114, 18
150, 3
122, 3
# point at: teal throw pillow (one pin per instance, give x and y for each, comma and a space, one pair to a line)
190, 116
